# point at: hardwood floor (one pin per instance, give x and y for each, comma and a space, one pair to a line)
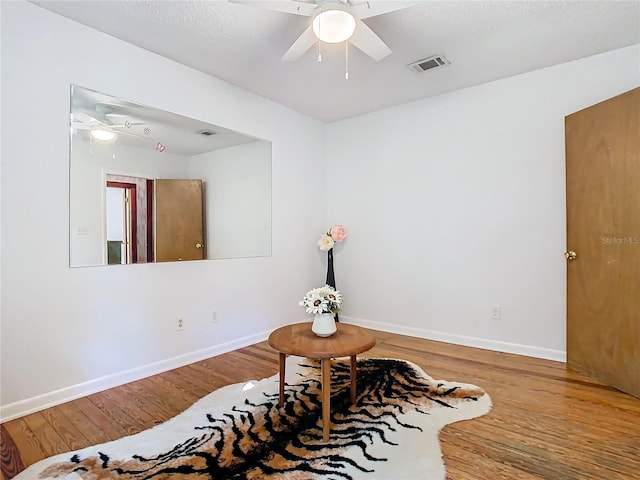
547, 422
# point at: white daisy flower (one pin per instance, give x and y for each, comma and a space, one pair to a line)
326, 242
322, 300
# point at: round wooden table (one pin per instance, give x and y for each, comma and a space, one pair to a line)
298, 339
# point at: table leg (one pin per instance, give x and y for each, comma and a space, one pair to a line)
353, 373
326, 398
283, 362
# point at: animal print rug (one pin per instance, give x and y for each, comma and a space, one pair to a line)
390, 433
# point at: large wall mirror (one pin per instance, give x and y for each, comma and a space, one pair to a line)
148, 185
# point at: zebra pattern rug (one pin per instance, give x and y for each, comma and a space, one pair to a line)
391, 432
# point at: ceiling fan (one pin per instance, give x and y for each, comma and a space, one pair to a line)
106, 130
103, 129
334, 21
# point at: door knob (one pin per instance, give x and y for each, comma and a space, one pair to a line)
570, 255
199, 245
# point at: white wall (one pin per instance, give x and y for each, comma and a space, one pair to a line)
238, 199
115, 213
66, 331
457, 203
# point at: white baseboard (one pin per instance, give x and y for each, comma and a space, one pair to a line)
486, 344
57, 397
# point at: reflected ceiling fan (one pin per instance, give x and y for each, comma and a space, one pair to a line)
334, 21
102, 129
105, 130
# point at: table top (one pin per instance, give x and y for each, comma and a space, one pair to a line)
298, 339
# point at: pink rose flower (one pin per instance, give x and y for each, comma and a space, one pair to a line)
338, 233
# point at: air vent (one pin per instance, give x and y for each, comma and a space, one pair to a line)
206, 133
429, 63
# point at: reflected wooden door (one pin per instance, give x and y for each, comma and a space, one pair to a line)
603, 229
179, 224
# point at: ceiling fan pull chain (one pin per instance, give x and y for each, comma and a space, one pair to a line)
346, 60
319, 41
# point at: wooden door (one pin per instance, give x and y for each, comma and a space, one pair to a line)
603, 229
179, 232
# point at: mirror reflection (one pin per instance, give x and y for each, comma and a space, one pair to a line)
148, 185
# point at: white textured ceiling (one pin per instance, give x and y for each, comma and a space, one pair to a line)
483, 40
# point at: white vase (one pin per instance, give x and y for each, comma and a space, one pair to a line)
324, 325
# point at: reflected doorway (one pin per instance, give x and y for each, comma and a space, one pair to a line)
153, 220
121, 230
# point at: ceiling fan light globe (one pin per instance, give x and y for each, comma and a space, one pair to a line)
101, 134
333, 26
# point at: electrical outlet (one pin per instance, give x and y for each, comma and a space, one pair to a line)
180, 324
496, 312
214, 316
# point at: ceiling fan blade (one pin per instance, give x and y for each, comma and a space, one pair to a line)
366, 40
371, 9
301, 45
124, 132
82, 117
85, 126
289, 6
127, 125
